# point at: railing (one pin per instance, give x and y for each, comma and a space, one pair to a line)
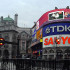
32, 64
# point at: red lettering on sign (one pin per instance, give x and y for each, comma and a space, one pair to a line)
69, 40
50, 41
56, 40
64, 40
46, 41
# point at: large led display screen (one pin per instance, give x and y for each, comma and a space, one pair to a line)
56, 14
55, 29
49, 41
39, 34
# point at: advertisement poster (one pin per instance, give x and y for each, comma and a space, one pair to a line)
50, 41
34, 34
39, 34
56, 15
55, 29
50, 16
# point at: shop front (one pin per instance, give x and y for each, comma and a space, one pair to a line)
37, 50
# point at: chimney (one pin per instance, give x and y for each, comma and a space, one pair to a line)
1, 19
16, 19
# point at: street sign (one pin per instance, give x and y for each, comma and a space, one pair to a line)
1, 41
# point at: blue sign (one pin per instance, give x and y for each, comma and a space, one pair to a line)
55, 29
34, 33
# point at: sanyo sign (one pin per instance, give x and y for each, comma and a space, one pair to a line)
49, 41
58, 28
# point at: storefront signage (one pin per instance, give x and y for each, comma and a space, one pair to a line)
34, 34
49, 41
39, 34
35, 43
57, 28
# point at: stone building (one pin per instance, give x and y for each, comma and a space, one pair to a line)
10, 31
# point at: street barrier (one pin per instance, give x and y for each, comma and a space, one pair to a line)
34, 64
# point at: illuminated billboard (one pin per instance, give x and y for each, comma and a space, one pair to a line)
49, 41
57, 28
53, 15
56, 15
39, 34
34, 34
37, 25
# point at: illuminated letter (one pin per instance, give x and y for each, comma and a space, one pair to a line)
46, 41
69, 40
52, 28
50, 41
64, 40
67, 28
58, 28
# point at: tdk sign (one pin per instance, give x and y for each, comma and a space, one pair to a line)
57, 28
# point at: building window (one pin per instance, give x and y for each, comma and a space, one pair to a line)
14, 38
59, 54
67, 54
45, 57
45, 51
0, 36
51, 51
23, 45
7, 38
51, 56
6, 46
5, 54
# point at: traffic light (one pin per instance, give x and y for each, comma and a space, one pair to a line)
1, 41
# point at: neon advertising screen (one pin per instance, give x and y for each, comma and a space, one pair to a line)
57, 14
49, 41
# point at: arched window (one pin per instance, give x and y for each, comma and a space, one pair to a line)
51, 51
52, 55
5, 54
67, 53
59, 54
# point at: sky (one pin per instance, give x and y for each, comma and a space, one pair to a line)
29, 11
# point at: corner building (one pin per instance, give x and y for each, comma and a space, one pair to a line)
10, 31
55, 26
